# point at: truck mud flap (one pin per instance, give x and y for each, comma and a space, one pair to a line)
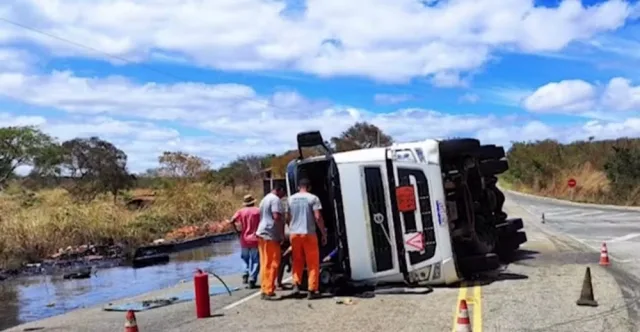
519, 238
510, 225
508, 244
477, 264
486, 152
492, 167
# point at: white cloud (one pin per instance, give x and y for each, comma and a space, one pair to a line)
332, 37
9, 120
621, 95
580, 97
470, 98
145, 141
12, 59
537, 130
569, 95
448, 80
221, 122
391, 99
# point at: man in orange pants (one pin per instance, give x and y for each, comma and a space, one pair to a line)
270, 233
304, 213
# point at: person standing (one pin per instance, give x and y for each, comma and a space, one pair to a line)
248, 217
270, 233
303, 216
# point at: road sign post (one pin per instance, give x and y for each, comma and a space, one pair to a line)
572, 183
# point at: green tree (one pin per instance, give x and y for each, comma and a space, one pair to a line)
97, 166
361, 135
181, 165
26, 146
623, 170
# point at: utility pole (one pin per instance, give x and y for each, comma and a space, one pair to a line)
378, 137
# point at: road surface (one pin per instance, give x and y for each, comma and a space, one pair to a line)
591, 225
536, 293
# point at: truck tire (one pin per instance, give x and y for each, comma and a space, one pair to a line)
493, 167
458, 147
485, 238
486, 152
509, 243
499, 197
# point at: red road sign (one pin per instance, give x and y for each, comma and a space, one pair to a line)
572, 183
416, 241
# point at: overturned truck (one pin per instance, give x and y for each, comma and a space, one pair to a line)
421, 213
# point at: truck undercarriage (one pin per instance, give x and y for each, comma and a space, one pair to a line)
482, 235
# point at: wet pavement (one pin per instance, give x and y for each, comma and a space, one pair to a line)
33, 298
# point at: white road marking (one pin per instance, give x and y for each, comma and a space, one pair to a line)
248, 297
587, 214
583, 242
625, 238
624, 215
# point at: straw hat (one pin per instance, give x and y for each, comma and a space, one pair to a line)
248, 200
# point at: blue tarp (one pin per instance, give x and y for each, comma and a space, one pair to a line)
165, 301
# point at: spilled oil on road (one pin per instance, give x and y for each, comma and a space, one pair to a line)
35, 297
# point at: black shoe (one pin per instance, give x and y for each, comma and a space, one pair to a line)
245, 279
268, 297
252, 285
313, 295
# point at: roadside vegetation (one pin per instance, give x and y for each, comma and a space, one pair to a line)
606, 171
80, 192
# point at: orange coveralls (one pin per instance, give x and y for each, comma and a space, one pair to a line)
304, 248
269, 252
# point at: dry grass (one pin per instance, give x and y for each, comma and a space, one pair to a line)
592, 186
35, 225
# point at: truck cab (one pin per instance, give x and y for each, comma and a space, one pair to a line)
387, 213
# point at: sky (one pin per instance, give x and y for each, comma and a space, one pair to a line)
225, 78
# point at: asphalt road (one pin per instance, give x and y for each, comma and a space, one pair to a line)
535, 293
591, 225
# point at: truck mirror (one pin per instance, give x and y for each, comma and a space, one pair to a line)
406, 198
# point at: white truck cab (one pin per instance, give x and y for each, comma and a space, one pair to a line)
386, 212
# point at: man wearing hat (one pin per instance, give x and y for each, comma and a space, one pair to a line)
248, 217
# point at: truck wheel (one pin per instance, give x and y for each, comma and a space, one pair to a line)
485, 236
458, 147
491, 199
499, 197
486, 152
509, 244
493, 167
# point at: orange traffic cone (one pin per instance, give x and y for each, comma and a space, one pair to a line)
463, 324
604, 255
130, 324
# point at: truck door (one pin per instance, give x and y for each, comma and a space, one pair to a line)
416, 216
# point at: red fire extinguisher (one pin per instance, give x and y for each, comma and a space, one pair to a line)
201, 285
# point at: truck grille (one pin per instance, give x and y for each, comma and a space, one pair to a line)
409, 218
382, 250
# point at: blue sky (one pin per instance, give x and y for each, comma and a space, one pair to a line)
223, 78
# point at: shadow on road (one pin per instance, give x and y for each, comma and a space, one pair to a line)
521, 255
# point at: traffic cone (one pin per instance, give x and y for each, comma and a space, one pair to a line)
604, 255
463, 324
130, 324
586, 295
